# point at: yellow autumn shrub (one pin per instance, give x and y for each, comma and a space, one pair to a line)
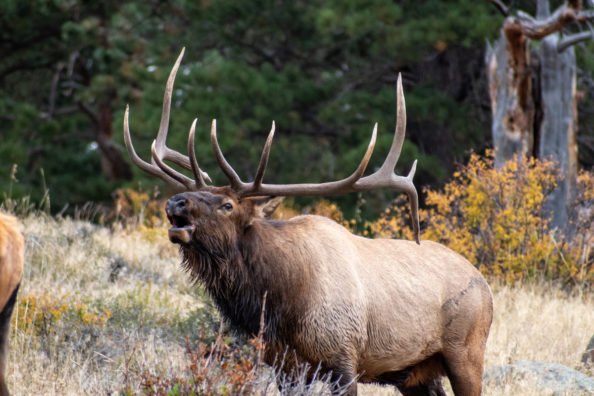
330, 210
498, 220
41, 314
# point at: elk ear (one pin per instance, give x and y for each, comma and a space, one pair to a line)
264, 207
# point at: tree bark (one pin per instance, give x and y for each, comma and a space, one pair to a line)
533, 96
511, 72
113, 164
558, 130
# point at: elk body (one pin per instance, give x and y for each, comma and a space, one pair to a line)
365, 310
11, 270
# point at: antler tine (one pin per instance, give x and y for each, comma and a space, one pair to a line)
165, 153
145, 166
192, 155
396, 147
413, 199
365, 160
164, 125
348, 184
387, 169
234, 179
264, 157
181, 179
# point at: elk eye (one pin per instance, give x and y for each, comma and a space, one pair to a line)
227, 206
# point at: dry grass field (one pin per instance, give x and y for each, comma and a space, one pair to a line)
108, 311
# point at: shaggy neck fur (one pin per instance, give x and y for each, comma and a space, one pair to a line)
237, 272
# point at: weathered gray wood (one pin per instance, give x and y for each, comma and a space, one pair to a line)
558, 129
513, 117
533, 96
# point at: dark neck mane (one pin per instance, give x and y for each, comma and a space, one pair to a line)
238, 279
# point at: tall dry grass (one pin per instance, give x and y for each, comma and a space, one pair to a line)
130, 276
100, 310
541, 323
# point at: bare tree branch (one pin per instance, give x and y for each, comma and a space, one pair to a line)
503, 9
54, 91
89, 111
66, 110
573, 39
586, 15
538, 29
526, 25
70, 72
60, 111
525, 17
543, 9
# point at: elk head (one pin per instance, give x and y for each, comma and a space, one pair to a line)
210, 219
205, 208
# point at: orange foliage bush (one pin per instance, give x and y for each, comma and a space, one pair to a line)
212, 369
497, 219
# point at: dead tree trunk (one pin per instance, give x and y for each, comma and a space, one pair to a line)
511, 74
558, 129
533, 94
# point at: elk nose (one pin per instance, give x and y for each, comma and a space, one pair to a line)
176, 205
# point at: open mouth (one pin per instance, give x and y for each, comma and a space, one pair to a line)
181, 230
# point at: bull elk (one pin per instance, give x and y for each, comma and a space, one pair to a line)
363, 310
11, 271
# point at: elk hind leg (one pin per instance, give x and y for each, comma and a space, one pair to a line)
4, 334
465, 370
465, 378
464, 353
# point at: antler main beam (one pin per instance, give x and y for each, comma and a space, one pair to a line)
356, 182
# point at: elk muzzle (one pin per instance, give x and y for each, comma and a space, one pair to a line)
178, 213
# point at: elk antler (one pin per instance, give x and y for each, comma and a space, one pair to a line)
382, 178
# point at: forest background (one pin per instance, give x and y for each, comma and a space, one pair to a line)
325, 71
107, 308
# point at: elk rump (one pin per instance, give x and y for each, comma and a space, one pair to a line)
11, 271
